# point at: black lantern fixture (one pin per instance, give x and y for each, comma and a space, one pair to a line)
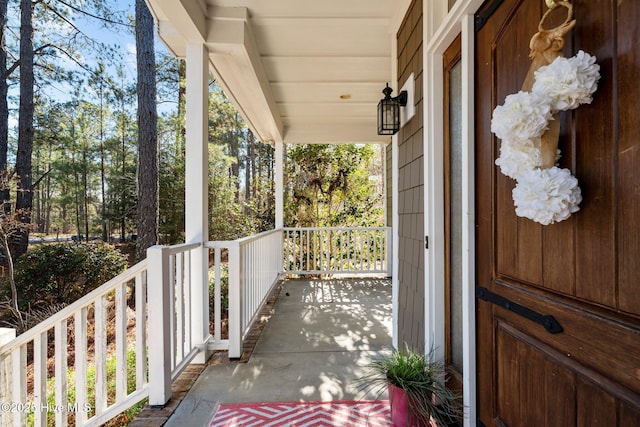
389, 111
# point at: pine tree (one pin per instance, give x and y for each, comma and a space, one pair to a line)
4, 107
148, 213
24, 195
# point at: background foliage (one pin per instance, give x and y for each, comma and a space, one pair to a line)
61, 273
334, 185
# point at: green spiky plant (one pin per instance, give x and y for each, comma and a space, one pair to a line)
423, 380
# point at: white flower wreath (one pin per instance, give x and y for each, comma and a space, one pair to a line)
543, 195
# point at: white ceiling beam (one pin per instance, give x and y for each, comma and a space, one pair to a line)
236, 62
331, 37
326, 109
346, 131
350, 68
186, 18
306, 8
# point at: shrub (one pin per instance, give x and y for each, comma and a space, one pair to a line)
62, 273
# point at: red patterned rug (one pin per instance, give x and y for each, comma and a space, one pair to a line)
372, 413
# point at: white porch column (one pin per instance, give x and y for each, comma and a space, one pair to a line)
159, 325
196, 189
279, 178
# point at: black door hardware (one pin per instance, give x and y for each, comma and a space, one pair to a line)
549, 322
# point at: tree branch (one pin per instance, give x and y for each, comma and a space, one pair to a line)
101, 18
35, 184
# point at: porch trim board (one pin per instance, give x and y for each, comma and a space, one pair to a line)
437, 38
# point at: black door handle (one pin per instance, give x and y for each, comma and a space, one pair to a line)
548, 321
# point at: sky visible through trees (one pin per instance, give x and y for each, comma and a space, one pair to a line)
84, 159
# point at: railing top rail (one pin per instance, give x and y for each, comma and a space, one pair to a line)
183, 247
212, 244
72, 308
337, 228
243, 240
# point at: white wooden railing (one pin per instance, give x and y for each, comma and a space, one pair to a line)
174, 314
255, 264
166, 326
39, 385
27, 377
337, 250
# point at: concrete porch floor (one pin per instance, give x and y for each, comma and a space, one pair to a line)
321, 334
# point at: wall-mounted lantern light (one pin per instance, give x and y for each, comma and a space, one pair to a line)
389, 111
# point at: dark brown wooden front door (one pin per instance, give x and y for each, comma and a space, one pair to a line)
584, 271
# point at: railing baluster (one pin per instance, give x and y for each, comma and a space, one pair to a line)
336, 250
40, 379
349, 267
369, 250
19, 378
100, 354
179, 301
80, 364
308, 238
121, 341
172, 309
300, 251
361, 250
60, 333
322, 246
217, 295
376, 242
316, 250
141, 330
285, 250
186, 287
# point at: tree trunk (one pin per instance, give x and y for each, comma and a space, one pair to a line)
254, 185
248, 170
147, 133
182, 106
24, 196
37, 200
103, 179
78, 205
85, 188
4, 109
234, 151
123, 194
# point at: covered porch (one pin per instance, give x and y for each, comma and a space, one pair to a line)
133, 337
298, 72
319, 335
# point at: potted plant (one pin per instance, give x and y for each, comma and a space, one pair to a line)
416, 387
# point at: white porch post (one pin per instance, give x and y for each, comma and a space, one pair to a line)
236, 325
279, 178
159, 326
196, 189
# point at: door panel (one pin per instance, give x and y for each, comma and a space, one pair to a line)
583, 271
628, 155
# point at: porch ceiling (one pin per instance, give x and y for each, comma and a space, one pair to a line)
298, 71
